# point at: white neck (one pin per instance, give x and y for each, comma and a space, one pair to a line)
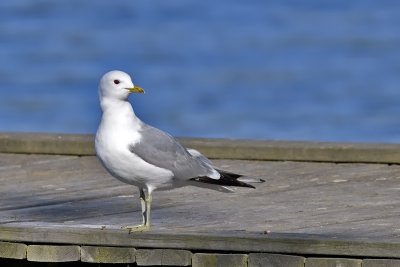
118, 111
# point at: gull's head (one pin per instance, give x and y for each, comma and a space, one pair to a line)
117, 85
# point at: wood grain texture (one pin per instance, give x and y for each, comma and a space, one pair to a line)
81, 145
53, 253
40, 143
11, 250
333, 262
381, 263
274, 260
276, 243
303, 208
97, 254
219, 260
163, 257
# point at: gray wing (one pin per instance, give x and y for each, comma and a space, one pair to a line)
196, 154
162, 150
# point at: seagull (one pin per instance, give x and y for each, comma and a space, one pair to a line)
146, 157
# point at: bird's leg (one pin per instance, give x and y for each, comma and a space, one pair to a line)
145, 201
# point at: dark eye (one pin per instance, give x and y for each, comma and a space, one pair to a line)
116, 81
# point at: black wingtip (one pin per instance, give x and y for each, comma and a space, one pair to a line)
226, 179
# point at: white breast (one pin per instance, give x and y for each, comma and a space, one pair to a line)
112, 141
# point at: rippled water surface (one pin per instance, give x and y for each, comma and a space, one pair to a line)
281, 69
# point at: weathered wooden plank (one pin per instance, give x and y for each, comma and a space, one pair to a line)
273, 243
332, 262
39, 143
275, 260
12, 250
296, 151
56, 181
73, 144
12, 161
108, 254
52, 253
219, 260
381, 263
163, 257
344, 202
76, 212
353, 199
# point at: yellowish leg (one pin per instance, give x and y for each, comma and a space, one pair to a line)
145, 201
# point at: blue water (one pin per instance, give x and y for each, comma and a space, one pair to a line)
280, 69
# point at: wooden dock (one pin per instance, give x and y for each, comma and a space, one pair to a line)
323, 204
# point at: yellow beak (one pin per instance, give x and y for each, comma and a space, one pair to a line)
136, 89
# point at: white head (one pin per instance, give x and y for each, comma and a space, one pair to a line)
117, 85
